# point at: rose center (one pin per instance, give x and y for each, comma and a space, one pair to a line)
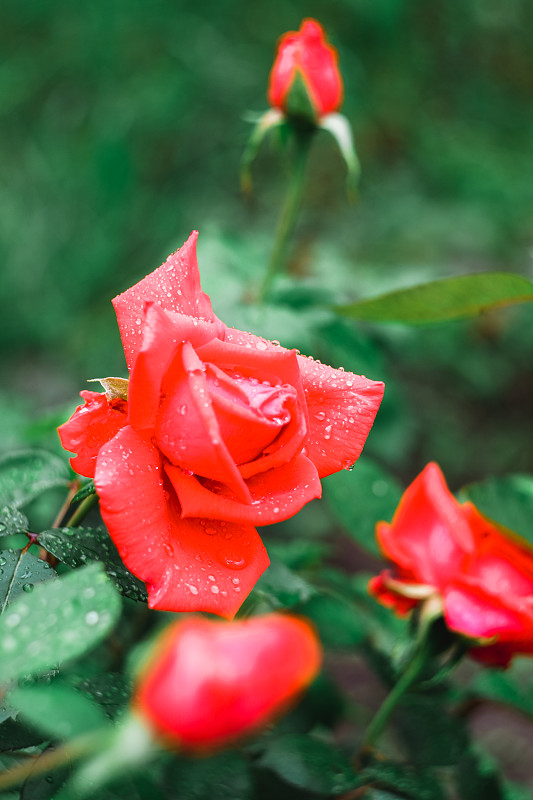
250, 412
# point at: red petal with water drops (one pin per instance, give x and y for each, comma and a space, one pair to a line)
89, 428
184, 568
163, 331
208, 683
276, 495
342, 408
187, 430
175, 286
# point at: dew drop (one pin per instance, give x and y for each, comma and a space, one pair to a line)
92, 618
191, 588
235, 563
169, 550
210, 531
215, 589
261, 345
28, 587
320, 415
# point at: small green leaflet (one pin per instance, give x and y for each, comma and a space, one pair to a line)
442, 300
58, 621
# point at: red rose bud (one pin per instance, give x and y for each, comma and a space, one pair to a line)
209, 683
221, 431
305, 79
482, 574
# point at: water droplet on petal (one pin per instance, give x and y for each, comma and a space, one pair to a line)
320, 415
235, 563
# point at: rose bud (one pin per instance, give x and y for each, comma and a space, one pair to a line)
210, 682
305, 78
481, 573
221, 431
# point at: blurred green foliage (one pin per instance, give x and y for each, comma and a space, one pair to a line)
122, 126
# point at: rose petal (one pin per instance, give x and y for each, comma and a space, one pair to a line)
187, 431
276, 495
342, 407
90, 427
175, 286
428, 535
378, 588
162, 331
185, 568
208, 682
271, 363
472, 612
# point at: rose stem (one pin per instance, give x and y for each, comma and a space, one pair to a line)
290, 208
82, 511
407, 678
51, 760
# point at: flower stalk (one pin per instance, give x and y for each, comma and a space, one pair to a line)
290, 208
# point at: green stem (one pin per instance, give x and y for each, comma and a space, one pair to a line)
290, 209
82, 511
407, 678
51, 760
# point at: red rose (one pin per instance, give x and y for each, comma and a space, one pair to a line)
305, 53
483, 577
211, 682
222, 431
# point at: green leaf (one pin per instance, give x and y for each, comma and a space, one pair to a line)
409, 781
58, 621
14, 735
87, 489
477, 777
361, 498
12, 521
339, 127
336, 620
221, 777
77, 546
19, 572
29, 473
310, 764
504, 688
507, 500
112, 691
442, 300
279, 587
432, 736
58, 710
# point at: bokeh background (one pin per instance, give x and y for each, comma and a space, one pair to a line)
122, 126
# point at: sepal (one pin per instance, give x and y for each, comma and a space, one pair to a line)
268, 121
339, 127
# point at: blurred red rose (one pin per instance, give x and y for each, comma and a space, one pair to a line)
222, 431
483, 575
209, 682
306, 53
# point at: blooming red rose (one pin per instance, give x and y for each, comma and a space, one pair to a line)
211, 682
307, 55
483, 575
221, 431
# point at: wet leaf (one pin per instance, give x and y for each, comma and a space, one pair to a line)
12, 521
27, 474
78, 546
87, 489
409, 782
361, 498
507, 500
58, 710
437, 301
280, 587
310, 764
220, 777
58, 621
19, 572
